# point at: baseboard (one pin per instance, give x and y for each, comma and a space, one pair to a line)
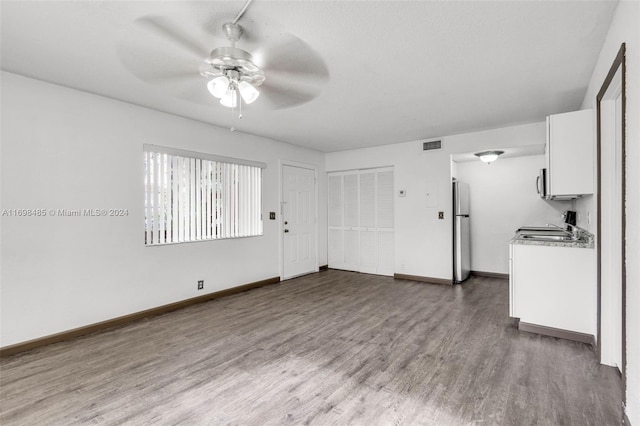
420, 278
115, 322
323, 268
490, 275
556, 332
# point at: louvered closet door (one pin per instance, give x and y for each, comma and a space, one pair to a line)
351, 220
336, 230
386, 242
368, 244
343, 220
360, 216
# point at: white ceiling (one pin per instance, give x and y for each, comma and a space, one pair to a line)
399, 71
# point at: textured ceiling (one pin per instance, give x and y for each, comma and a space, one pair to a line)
398, 71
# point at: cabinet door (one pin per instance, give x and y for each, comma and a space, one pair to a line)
570, 153
555, 287
512, 303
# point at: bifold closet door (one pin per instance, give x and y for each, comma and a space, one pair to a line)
360, 216
368, 244
334, 218
351, 211
344, 239
384, 222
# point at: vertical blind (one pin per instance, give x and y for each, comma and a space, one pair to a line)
194, 197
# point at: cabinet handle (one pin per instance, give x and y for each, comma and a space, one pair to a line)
538, 185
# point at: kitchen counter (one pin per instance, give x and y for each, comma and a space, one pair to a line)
584, 239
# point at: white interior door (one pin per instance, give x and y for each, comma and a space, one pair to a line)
298, 221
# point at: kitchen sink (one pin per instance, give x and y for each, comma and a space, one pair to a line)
547, 237
527, 230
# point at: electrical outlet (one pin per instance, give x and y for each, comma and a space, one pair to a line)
200, 284
440, 215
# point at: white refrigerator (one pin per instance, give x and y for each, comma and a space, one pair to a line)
461, 232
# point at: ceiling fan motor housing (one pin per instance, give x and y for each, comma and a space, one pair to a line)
223, 59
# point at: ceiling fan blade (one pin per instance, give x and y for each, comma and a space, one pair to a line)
284, 90
295, 73
293, 56
154, 66
164, 28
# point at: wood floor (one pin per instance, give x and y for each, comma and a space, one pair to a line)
329, 348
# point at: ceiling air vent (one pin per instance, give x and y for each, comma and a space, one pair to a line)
426, 146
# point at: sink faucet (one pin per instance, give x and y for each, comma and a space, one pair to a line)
573, 231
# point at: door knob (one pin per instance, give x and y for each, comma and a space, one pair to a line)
286, 230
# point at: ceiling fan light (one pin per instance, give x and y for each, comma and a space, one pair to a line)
248, 92
218, 86
230, 98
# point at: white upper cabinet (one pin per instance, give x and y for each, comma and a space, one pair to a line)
569, 155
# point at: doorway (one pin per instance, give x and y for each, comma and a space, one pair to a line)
611, 217
298, 214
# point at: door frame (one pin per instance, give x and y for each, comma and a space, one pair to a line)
618, 63
291, 163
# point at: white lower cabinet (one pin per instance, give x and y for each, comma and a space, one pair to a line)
553, 286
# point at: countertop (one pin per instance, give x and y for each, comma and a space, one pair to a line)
584, 240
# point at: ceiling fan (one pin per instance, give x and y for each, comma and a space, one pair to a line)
288, 73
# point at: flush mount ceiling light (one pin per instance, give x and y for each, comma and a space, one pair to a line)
488, 156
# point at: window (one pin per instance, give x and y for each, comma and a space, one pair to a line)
191, 196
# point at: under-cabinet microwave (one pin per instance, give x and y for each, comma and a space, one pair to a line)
541, 183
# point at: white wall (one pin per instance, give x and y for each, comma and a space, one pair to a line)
503, 198
63, 148
422, 241
625, 29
